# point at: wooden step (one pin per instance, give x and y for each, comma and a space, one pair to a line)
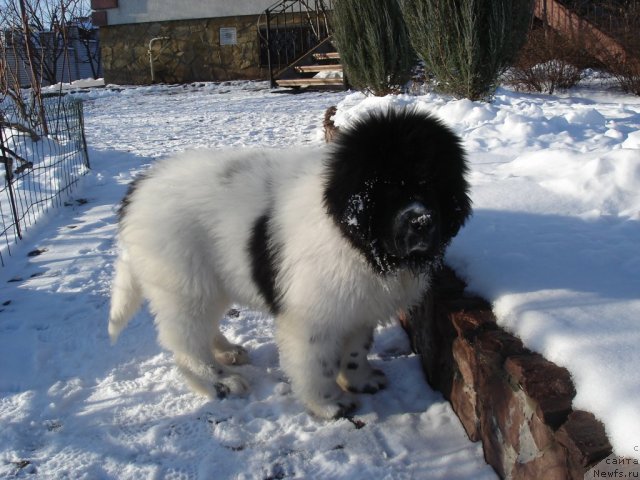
327, 56
308, 82
319, 68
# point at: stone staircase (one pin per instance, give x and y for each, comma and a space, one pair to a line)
318, 68
296, 45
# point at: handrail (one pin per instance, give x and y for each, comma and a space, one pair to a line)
567, 21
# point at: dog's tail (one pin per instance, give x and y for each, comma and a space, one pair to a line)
126, 297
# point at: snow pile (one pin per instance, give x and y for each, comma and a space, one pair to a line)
83, 83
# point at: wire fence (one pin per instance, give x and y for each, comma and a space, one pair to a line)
43, 154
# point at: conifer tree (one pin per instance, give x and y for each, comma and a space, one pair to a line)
467, 44
374, 46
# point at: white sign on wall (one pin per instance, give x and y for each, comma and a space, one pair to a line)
228, 36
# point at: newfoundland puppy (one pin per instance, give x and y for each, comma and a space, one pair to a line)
330, 241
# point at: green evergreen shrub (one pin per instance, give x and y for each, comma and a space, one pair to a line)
467, 44
374, 45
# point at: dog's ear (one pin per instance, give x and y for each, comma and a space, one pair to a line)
453, 189
456, 211
343, 183
444, 158
347, 167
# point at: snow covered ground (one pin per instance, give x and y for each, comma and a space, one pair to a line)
554, 244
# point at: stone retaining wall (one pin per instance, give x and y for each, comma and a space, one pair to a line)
510, 398
192, 52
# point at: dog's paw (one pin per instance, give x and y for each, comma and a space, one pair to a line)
370, 382
237, 355
212, 380
341, 406
231, 385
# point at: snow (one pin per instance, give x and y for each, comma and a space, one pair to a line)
553, 244
82, 83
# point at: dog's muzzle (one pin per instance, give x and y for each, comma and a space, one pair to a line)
415, 230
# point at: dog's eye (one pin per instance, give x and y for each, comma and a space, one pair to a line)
394, 188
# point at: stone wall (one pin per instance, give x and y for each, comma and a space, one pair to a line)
510, 398
191, 53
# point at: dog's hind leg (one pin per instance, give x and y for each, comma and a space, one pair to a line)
186, 327
126, 297
228, 353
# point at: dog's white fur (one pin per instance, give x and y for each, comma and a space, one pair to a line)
184, 247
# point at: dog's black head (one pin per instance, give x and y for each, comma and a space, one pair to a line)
396, 188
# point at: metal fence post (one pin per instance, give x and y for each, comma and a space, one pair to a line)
272, 80
83, 138
8, 168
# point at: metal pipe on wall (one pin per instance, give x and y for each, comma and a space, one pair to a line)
151, 42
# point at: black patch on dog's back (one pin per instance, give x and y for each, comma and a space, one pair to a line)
126, 201
264, 262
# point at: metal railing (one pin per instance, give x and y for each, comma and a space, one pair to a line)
610, 15
43, 154
617, 19
290, 28
593, 26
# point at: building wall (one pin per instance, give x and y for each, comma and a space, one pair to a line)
192, 51
137, 11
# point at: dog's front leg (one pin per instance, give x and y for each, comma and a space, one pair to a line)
312, 359
356, 373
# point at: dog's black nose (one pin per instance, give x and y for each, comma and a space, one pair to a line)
414, 229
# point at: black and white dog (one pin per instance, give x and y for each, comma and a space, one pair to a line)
331, 241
